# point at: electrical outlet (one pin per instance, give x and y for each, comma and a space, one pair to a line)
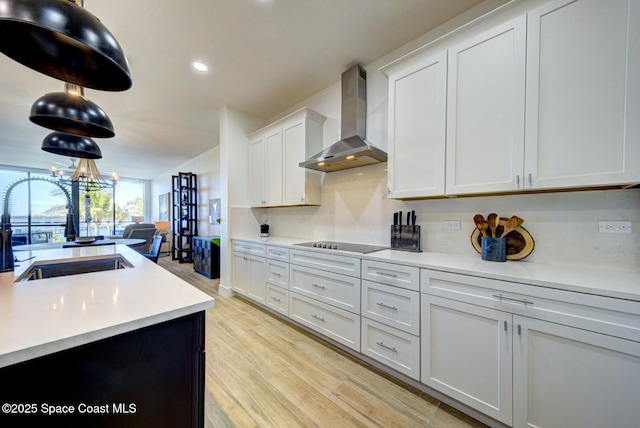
614, 226
452, 225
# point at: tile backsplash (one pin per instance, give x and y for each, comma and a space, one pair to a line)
564, 225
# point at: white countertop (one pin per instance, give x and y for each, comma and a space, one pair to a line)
601, 282
49, 315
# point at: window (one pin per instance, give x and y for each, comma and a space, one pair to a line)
38, 206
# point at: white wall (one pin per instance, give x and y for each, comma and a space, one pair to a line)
207, 167
234, 180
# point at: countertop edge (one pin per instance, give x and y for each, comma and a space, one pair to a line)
63, 344
559, 277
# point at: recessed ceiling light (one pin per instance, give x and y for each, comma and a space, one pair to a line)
200, 66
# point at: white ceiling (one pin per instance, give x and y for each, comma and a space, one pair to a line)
263, 56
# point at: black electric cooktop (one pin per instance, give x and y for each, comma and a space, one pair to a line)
343, 246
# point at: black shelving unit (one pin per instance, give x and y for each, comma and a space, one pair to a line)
185, 216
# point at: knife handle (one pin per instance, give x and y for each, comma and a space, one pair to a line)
408, 218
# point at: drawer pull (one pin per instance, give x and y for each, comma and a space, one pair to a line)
276, 274
511, 299
392, 275
392, 349
318, 286
505, 326
276, 299
277, 253
318, 317
387, 306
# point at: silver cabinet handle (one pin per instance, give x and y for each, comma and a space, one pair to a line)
519, 330
511, 299
276, 274
529, 179
392, 275
518, 180
318, 286
386, 306
318, 317
276, 299
392, 349
505, 325
301, 198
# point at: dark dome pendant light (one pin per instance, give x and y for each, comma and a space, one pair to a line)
71, 112
71, 145
61, 39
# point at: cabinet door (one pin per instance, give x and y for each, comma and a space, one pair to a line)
417, 118
273, 167
583, 94
240, 273
258, 182
569, 377
485, 111
467, 354
257, 284
294, 153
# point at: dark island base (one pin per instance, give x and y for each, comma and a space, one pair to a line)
152, 377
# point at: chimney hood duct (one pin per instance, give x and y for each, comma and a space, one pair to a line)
352, 150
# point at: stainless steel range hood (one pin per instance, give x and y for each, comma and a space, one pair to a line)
352, 150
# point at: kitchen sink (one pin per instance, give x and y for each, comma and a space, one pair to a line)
55, 268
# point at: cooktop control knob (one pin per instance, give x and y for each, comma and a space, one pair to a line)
324, 245
334, 247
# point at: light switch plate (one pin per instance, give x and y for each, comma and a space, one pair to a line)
452, 225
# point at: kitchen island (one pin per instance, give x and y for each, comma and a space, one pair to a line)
123, 346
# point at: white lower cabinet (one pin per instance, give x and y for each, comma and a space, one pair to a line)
277, 299
529, 356
249, 276
337, 324
392, 347
394, 306
466, 354
569, 377
338, 290
249, 270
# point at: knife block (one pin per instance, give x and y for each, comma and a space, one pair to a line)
405, 238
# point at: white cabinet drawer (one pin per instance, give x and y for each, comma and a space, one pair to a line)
278, 273
339, 325
606, 315
278, 299
330, 262
248, 247
337, 290
392, 347
393, 306
389, 273
278, 253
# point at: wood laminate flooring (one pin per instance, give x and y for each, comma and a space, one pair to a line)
264, 372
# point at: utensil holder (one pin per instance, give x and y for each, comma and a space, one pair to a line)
405, 238
494, 249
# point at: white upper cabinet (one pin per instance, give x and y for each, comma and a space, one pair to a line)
417, 114
545, 97
276, 151
583, 94
485, 111
256, 163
